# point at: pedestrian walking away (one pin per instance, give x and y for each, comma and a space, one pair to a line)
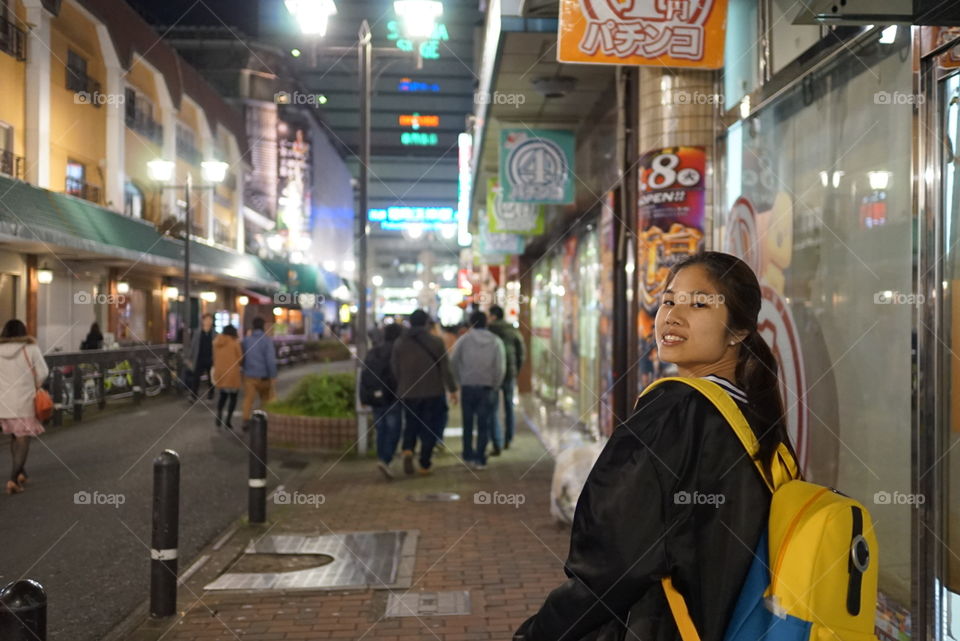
22, 371
677, 444
515, 352
378, 388
200, 359
478, 362
422, 371
227, 373
259, 369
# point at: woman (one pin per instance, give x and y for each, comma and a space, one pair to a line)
94, 339
22, 371
227, 372
673, 493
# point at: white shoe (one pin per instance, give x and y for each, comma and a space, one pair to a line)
385, 469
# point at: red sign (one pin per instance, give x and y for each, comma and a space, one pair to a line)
416, 121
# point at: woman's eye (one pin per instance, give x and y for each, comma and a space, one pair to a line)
699, 304
668, 302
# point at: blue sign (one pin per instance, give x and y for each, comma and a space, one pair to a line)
421, 215
406, 84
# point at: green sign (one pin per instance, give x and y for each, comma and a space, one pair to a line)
429, 49
513, 218
536, 166
419, 138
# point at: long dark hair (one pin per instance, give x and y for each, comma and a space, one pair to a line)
757, 369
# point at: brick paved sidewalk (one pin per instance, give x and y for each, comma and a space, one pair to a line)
507, 557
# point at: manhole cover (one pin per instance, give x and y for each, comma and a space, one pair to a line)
434, 496
420, 604
359, 560
280, 562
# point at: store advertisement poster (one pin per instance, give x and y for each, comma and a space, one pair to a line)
670, 212
643, 32
512, 218
537, 165
497, 245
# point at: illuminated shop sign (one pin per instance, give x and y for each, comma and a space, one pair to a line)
438, 215
406, 84
418, 139
415, 120
429, 49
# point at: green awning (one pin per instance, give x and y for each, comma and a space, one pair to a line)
298, 277
32, 214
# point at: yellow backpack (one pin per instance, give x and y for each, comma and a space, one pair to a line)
822, 583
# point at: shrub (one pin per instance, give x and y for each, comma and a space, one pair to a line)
327, 349
330, 395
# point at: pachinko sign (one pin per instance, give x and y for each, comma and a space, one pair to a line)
666, 33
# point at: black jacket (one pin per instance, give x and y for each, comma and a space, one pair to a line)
420, 365
631, 527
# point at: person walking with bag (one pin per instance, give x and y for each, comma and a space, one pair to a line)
378, 389
227, 373
22, 373
638, 519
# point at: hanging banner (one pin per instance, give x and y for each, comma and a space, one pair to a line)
536, 166
684, 33
512, 218
497, 245
670, 228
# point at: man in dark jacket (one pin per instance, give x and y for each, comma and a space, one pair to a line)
378, 388
419, 363
515, 352
201, 356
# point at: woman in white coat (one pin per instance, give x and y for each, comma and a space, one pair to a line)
22, 371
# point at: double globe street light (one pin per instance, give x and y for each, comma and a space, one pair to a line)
162, 172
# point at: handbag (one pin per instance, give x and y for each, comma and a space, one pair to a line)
42, 401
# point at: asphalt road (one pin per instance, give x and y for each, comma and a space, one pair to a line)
94, 558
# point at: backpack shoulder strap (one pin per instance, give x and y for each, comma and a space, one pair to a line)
784, 467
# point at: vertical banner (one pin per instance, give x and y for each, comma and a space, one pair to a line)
670, 227
512, 218
536, 166
664, 33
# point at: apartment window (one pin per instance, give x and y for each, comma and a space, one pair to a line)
76, 71
133, 200
138, 113
10, 164
12, 38
76, 178
186, 146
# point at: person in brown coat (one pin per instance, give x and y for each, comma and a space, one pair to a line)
227, 372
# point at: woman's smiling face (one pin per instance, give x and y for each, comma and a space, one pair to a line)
691, 326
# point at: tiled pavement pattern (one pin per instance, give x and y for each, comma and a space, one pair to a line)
507, 557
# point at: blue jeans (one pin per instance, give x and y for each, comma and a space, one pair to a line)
503, 436
424, 420
388, 419
480, 402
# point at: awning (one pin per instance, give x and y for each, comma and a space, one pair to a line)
31, 214
298, 277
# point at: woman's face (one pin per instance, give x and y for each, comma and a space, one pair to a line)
691, 326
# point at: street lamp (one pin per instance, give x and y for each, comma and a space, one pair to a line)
418, 18
163, 171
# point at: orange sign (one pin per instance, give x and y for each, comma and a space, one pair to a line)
666, 33
417, 120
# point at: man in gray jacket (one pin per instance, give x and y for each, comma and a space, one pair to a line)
420, 367
479, 365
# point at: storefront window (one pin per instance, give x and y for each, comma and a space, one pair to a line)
817, 199
741, 53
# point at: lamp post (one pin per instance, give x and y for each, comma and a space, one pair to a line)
162, 172
418, 20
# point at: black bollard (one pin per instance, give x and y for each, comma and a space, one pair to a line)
257, 503
166, 518
23, 611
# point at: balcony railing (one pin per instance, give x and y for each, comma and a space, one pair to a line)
85, 88
11, 164
81, 189
13, 39
144, 124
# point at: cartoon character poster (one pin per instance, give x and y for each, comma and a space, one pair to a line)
670, 228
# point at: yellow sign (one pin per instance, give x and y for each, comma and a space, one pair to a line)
665, 33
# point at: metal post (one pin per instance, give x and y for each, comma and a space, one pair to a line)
187, 316
257, 498
23, 611
166, 517
364, 52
